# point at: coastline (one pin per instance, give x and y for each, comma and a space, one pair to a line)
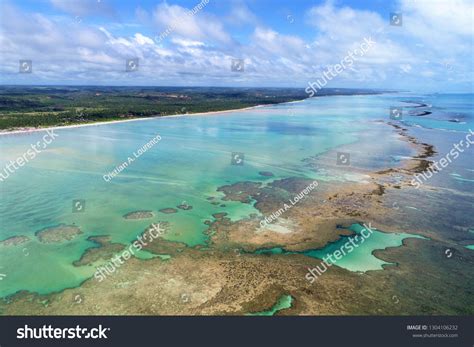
218, 261
231, 256
4, 132
33, 130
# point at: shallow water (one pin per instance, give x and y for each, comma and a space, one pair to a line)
187, 166
283, 303
358, 255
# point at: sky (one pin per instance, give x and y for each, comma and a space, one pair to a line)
270, 43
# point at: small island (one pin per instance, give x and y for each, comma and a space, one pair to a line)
168, 210
58, 233
15, 240
139, 215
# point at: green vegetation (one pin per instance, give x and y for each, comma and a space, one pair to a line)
40, 106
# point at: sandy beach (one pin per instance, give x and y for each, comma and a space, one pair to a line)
31, 130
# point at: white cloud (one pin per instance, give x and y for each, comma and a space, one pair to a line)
440, 25
344, 23
143, 40
240, 14
187, 43
199, 48
435, 29
200, 26
275, 43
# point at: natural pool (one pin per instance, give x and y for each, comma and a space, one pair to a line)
191, 161
284, 302
361, 258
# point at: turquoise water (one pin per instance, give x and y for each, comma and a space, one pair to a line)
283, 303
190, 162
451, 118
358, 258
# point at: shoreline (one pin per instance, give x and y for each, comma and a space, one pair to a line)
57, 127
226, 259
408, 166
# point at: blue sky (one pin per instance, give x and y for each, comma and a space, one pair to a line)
281, 43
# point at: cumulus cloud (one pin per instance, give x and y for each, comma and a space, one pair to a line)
432, 33
180, 22
275, 43
198, 49
440, 25
240, 14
